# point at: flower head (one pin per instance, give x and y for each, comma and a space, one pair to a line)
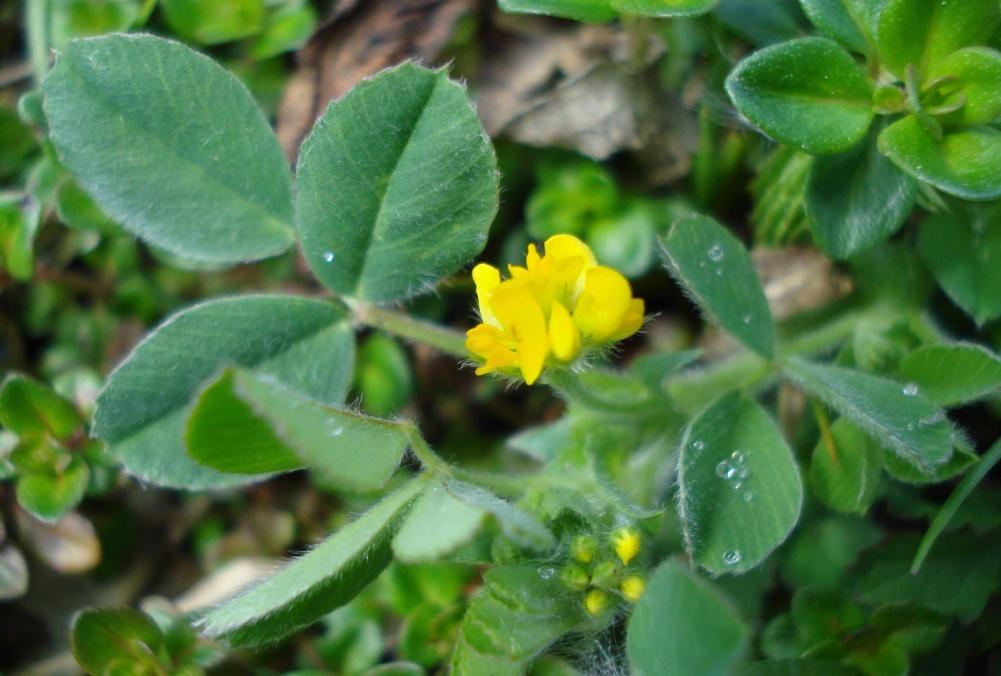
550, 311
632, 588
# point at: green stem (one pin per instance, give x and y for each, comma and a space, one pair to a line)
37, 29
399, 324
566, 382
693, 389
431, 461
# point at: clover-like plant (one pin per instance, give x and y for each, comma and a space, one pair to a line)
896, 98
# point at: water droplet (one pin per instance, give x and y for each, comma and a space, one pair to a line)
743, 473
933, 419
328, 256
719, 272
746, 319
910, 389
716, 253
725, 470
547, 572
737, 485
910, 427
738, 456
698, 445
336, 431
748, 496
731, 558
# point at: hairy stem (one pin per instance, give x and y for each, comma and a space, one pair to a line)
443, 339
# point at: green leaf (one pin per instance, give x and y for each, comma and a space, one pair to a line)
327, 577
856, 200
845, 474
683, 625
397, 185
287, 29
794, 667
761, 23
248, 424
77, 210
821, 553
103, 638
976, 87
965, 163
954, 502
664, 8
29, 408
20, 218
305, 344
438, 525
851, 22
172, 146
739, 490
922, 32
589, 11
514, 617
70, 19
949, 375
807, 93
210, 23
957, 578
715, 268
519, 526
896, 415
962, 248
958, 462
819, 613
50, 495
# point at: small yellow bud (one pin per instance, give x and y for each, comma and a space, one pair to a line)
582, 548
627, 544
604, 574
596, 601
575, 577
632, 587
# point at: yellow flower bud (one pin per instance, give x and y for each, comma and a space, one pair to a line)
596, 601
632, 587
582, 548
575, 577
626, 542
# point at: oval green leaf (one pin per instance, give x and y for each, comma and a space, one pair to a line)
397, 186
977, 85
965, 163
950, 375
856, 200
962, 249
846, 469
588, 11
850, 22
684, 625
248, 424
438, 525
172, 146
303, 343
895, 414
922, 32
808, 93
664, 8
330, 575
739, 489
715, 268
103, 637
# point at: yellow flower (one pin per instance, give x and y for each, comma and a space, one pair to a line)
549, 310
626, 542
632, 588
595, 601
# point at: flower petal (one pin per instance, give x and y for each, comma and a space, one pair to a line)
559, 247
487, 278
633, 320
520, 315
564, 337
602, 305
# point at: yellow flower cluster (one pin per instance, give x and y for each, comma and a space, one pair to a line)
598, 578
550, 310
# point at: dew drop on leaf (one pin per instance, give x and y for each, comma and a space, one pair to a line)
731, 557
910, 389
328, 256
716, 253
547, 572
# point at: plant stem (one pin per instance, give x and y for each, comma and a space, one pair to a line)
37, 29
445, 340
695, 388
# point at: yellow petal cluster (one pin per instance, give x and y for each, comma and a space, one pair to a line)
550, 310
